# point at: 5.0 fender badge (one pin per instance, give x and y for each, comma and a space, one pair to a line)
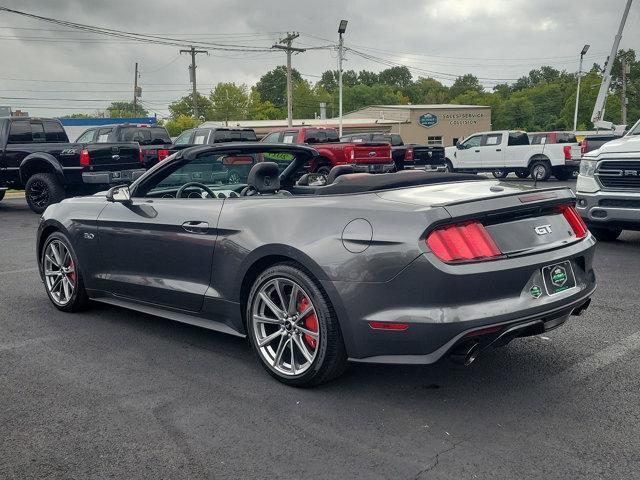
88, 236
535, 291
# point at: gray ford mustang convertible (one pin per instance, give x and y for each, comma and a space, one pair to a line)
246, 239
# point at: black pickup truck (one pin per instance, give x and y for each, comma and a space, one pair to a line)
212, 136
35, 154
405, 156
154, 140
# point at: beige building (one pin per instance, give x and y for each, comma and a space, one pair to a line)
442, 124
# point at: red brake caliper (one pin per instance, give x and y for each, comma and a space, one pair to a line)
310, 322
72, 275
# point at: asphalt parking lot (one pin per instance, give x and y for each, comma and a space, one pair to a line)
116, 394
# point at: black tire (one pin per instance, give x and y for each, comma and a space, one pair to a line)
448, 166
500, 173
605, 234
79, 299
563, 175
331, 357
324, 169
540, 169
522, 173
42, 190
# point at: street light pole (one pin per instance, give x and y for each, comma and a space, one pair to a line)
341, 29
575, 113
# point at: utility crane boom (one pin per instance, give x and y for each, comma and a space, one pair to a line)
597, 117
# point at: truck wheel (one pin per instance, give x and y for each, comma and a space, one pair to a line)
324, 170
42, 190
522, 173
448, 166
500, 173
540, 170
293, 327
605, 234
563, 175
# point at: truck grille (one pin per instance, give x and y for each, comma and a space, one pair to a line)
619, 203
619, 174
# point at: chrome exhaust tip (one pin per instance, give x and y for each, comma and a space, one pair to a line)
581, 309
465, 353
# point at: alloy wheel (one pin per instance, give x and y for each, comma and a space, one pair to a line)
286, 326
539, 171
39, 194
59, 272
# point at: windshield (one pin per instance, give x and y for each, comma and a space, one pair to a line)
635, 130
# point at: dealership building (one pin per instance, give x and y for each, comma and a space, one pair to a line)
440, 124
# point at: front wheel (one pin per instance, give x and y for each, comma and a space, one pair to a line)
500, 173
42, 190
62, 276
448, 166
605, 234
293, 327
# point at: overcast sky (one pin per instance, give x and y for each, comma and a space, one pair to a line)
497, 40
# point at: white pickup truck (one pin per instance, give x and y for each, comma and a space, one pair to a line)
502, 152
608, 187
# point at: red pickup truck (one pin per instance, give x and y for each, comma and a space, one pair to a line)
374, 157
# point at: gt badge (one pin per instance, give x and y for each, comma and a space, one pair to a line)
542, 229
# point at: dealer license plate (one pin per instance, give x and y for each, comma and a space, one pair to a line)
558, 277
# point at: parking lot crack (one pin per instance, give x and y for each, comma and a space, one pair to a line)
436, 460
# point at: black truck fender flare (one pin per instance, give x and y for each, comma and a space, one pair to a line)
40, 162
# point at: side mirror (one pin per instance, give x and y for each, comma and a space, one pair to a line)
120, 194
459, 146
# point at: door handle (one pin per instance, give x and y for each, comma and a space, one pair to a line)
195, 227
477, 151
498, 149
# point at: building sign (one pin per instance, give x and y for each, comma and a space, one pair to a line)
428, 120
463, 118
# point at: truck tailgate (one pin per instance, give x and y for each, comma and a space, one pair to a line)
368, 153
114, 156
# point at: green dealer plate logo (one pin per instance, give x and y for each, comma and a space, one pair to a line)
536, 291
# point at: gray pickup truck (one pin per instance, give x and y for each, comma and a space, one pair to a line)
608, 187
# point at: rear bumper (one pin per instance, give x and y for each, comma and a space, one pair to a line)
375, 167
610, 209
113, 177
442, 303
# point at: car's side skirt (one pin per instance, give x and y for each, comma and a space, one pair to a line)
169, 314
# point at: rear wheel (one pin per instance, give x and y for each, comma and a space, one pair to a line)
540, 170
500, 173
62, 276
605, 234
522, 173
293, 327
42, 190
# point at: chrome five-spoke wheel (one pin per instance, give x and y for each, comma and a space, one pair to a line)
59, 272
286, 327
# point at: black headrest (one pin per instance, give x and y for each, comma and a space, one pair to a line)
264, 177
339, 170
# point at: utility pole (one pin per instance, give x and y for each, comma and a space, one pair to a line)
135, 91
342, 27
286, 46
192, 77
575, 113
626, 69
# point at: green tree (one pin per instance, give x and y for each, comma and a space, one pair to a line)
175, 126
272, 86
397, 77
229, 102
464, 84
365, 77
126, 110
427, 90
259, 110
360, 96
330, 78
184, 106
515, 113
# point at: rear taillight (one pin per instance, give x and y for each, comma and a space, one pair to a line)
408, 155
141, 157
467, 241
85, 160
162, 154
575, 220
583, 146
567, 152
350, 153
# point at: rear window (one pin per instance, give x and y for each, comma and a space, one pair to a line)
321, 136
536, 139
565, 137
518, 138
145, 135
20, 132
54, 132
234, 136
37, 132
381, 138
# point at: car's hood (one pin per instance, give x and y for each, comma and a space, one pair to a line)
628, 144
458, 192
